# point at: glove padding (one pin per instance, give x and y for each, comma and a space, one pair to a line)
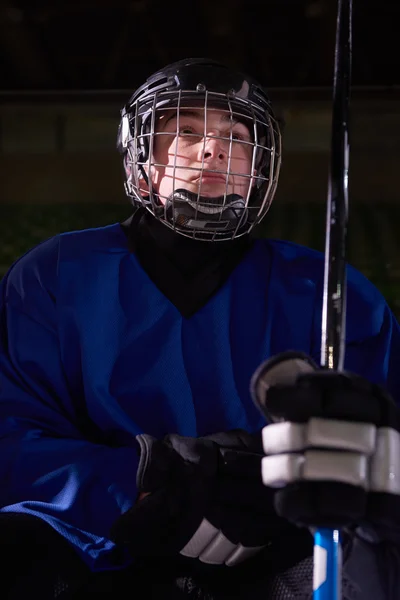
206, 500
336, 458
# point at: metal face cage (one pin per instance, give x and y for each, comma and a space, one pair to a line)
168, 162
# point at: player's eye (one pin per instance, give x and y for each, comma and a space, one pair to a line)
186, 130
237, 136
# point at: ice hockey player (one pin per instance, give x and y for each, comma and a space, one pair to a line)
130, 444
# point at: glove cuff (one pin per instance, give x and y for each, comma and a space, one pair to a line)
155, 463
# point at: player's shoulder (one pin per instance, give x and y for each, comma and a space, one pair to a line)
297, 260
296, 255
39, 266
309, 263
83, 242
33, 269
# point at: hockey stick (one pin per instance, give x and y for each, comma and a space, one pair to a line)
327, 549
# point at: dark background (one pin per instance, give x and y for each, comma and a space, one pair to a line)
108, 44
67, 67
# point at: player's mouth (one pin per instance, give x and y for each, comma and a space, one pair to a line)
211, 178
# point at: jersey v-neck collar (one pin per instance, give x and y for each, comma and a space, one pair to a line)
187, 272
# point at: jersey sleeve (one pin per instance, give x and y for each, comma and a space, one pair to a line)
373, 336
51, 465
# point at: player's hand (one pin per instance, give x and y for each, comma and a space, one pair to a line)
204, 500
334, 457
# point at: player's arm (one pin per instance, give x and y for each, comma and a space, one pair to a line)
373, 334
50, 465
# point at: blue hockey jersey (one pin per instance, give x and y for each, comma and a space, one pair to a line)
92, 353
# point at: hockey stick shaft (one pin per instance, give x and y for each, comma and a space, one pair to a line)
334, 297
327, 548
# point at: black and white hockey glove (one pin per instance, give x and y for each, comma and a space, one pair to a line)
206, 501
333, 446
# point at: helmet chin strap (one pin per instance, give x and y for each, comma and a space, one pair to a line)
205, 214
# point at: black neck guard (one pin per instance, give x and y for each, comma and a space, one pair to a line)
188, 272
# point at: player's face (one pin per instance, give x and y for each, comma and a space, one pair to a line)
193, 144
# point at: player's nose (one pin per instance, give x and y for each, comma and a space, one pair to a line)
213, 149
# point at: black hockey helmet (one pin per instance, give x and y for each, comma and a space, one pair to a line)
205, 85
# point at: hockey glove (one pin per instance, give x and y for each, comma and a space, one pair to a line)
334, 455
206, 500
